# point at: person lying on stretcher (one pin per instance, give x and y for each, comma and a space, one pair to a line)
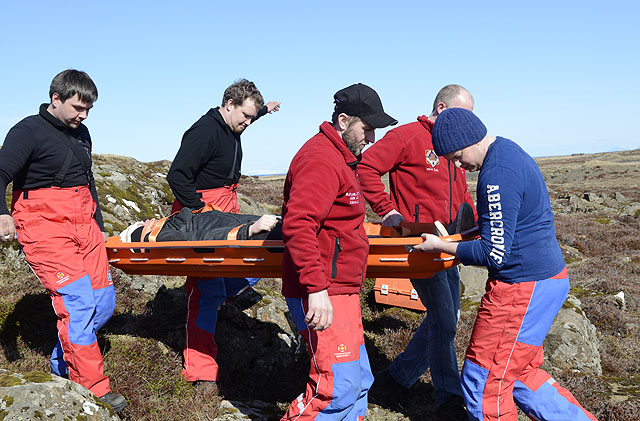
205, 224
209, 223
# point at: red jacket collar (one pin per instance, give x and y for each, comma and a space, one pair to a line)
327, 129
426, 123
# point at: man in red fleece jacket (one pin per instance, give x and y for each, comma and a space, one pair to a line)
423, 188
325, 257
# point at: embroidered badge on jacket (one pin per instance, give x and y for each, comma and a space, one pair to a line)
431, 158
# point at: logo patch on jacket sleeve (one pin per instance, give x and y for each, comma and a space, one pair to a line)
431, 158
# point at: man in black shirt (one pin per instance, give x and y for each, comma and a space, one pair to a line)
57, 221
206, 170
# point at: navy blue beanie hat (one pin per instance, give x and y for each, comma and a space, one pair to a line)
455, 129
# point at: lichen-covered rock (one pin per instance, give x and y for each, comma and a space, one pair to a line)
473, 281
572, 342
42, 396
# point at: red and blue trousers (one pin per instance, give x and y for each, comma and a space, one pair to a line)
339, 375
65, 248
204, 298
502, 366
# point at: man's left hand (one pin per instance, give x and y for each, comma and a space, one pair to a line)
320, 314
273, 106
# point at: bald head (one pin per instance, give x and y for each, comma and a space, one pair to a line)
451, 96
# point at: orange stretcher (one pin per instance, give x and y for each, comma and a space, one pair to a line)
390, 255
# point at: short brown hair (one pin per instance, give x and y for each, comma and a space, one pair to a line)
240, 90
71, 82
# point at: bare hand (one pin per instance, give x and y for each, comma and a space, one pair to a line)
265, 223
320, 314
7, 228
434, 244
392, 218
273, 106
431, 244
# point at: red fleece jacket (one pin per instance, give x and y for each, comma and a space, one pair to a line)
424, 187
325, 244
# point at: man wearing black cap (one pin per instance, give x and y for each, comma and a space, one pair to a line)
325, 256
528, 280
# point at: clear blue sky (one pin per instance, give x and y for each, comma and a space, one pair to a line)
558, 77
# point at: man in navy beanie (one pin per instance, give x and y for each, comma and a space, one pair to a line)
528, 280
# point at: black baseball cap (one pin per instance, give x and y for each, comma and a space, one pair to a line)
359, 100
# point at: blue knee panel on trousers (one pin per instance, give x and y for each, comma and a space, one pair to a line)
212, 295
58, 366
346, 390
80, 303
366, 379
473, 378
105, 304
549, 404
546, 300
297, 312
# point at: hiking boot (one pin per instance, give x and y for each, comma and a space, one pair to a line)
464, 220
452, 409
245, 299
206, 386
439, 229
228, 311
117, 402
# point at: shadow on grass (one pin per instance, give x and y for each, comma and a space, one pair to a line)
32, 319
256, 360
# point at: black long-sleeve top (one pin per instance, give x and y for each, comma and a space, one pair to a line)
32, 154
209, 157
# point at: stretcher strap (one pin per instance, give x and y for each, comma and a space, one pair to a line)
152, 227
233, 234
206, 208
155, 229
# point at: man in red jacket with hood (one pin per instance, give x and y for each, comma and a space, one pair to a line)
325, 257
424, 188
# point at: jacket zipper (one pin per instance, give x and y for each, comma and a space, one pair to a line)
334, 263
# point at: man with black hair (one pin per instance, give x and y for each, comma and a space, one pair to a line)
325, 257
57, 221
206, 170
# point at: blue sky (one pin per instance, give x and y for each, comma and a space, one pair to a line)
558, 77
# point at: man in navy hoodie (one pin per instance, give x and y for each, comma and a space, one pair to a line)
325, 257
528, 280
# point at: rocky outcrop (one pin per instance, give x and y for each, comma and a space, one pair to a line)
614, 204
572, 342
42, 396
131, 191
473, 280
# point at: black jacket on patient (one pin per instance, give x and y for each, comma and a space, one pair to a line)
211, 225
